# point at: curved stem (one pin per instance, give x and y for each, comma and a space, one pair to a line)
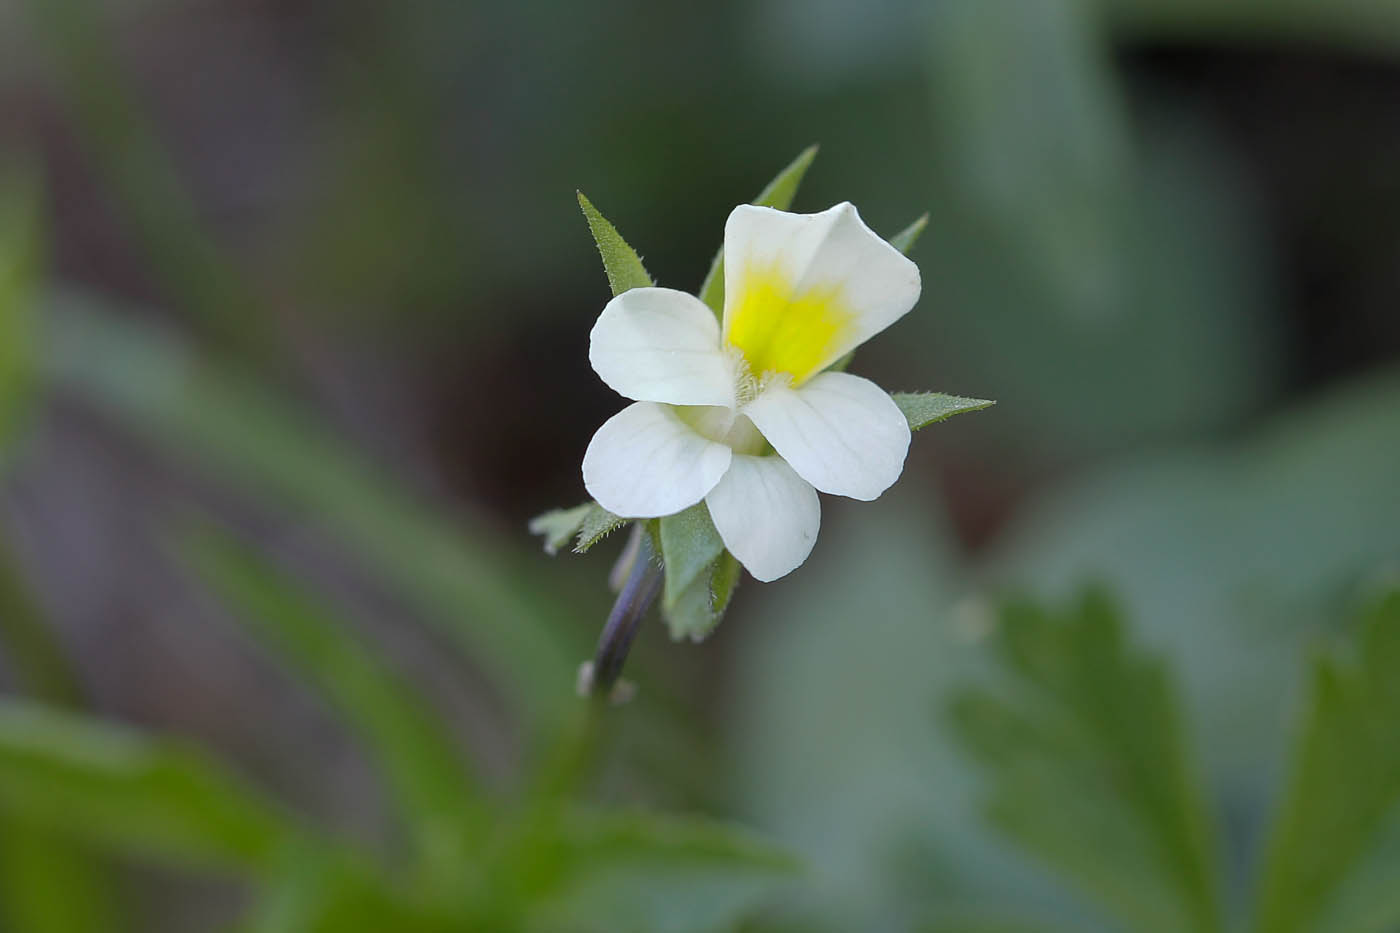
640, 590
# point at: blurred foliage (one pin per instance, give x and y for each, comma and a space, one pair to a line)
466, 861
1099, 256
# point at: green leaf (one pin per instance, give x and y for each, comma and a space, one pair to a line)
905, 239
778, 194
620, 261
131, 793
559, 525
1345, 783
689, 546
925, 408
417, 755
48, 885
318, 892
596, 525
1088, 767
690, 549
723, 581
20, 264
597, 837
32, 648
460, 576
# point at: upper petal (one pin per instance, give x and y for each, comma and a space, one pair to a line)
803, 290
766, 514
644, 462
841, 433
661, 345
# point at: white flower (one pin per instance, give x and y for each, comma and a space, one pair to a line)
744, 416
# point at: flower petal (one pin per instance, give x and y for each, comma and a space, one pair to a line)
661, 345
644, 462
766, 514
841, 433
803, 290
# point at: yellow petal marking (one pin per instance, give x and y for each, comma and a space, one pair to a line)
781, 331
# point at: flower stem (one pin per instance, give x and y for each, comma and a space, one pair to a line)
639, 591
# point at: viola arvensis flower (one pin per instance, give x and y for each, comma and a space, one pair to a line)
745, 413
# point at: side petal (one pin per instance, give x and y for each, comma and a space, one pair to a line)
803, 290
766, 514
841, 433
644, 462
661, 345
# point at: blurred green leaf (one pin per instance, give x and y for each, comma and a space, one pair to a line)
417, 755
778, 194
596, 525
313, 893
20, 263
925, 408
620, 261
557, 526
463, 579
133, 794
47, 885
905, 239
599, 836
33, 650
1345, 784
138, 168
1035, 136
1089, 766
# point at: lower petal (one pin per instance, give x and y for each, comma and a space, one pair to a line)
766, 514
644, 462
841, 433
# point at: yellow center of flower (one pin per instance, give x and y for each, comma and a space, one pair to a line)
780, 330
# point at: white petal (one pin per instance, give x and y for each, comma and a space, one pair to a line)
803, 290
767, 515
841, 433
645, 462
661, 345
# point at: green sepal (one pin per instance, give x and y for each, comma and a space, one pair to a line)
700, 573
620, 261
778, 194
905, 239
596, 525
925, 408
557, 526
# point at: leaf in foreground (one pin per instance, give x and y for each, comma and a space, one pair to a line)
1345, 785
132, 793
1089, 769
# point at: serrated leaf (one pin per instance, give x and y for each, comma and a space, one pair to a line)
905, 239
131, 793
597, 525
778, 194
1089, 770
1345, 783
409, 744
559, 525
620, 261
922, 409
